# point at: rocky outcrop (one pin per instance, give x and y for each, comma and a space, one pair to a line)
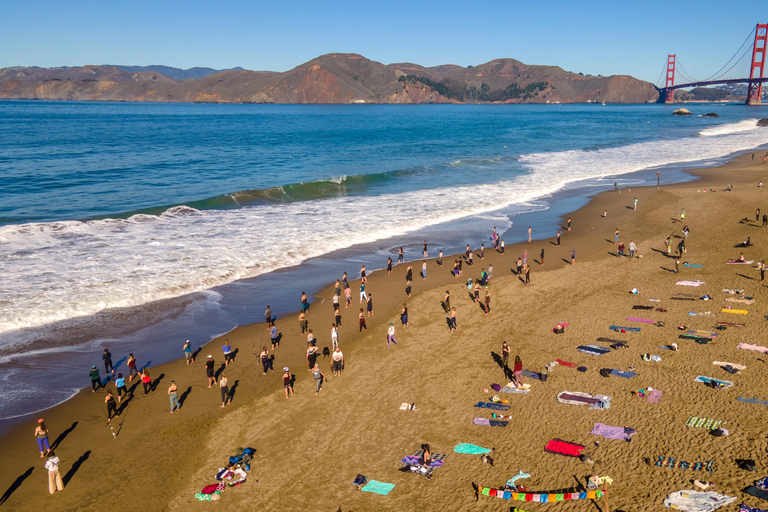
763, 122
711, 114
682, 112
332, 78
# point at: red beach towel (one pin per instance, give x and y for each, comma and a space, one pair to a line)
561, 447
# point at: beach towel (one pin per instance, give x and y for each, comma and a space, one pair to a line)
732, 365
730, 324
691, 265
565, 363
593, 350
702, 334
531, 375
756, 348
609, 432
538, 498
690, 283
577, 398
709, 424
609, 340
471, 449
744, 508
564, 324
511, 388
512, 482
622, 373
732, 291
643, 320
709, 380
669, 462
734, 311
619, 328
643, 307
654, 396
560, 447
752, 401
756, 492
697, 501
378, 487
489, 405
739, 262
485, 422
438, 459
741, 300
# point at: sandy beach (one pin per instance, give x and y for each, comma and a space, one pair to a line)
310, 448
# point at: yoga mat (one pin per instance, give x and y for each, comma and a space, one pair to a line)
707, 380
609, 340
702, 334
643, 307
756, 348
624, 329
490, 405
378, 487
576, 398
735, 311
471, 449
609, 432
490, 423
622, 373
594, 350
752, 401
644, 320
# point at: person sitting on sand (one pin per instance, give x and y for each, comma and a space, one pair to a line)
426, 459
741, 257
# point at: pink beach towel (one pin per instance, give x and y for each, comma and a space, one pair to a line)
756, 348
654, 396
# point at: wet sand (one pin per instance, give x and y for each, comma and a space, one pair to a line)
310, 448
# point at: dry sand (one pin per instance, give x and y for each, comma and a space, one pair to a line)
310, 448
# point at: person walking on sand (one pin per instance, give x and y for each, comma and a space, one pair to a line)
573, 256
95, 379
400, 258
347, 296
319, 376
391, 335
616, 237
424, 250
668, 243
440, 258
504, 354
225, 398
209, 371
54, 475
447, 301
173, 397
266, 361
452, 321
369, 305
311, 355
632, 248
519, 266
518, 372
361, 321
404, 316
476, 293
132, 368
502, 246
111, 405
762, 271
337, 362
188, 353
120, 385
424, 270
337, 318
268, 316
529, 233
487, 302
541, 258
304, 303
41, 434
146, 381
287, 381
389, 266
334, 336
527, 275
227, 349
107, 357
569, 224
273, 336
559, 234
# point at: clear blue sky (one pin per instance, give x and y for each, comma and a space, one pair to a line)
604, 37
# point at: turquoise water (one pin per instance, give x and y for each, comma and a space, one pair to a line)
110, 207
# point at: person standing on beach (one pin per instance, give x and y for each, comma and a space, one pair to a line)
409, 273
363, 279
529, 233
569, 223
404, 316
287, 381
209, 371
682, 214
227, 349
658, 176
363, 296
525, 258
762, 271
686, 231
502, 246
400, 257
634, 207
677, 265
527, 275
335, 301
615, 186
541, 258
54, 475
120, 385
132, 368
460, 262
519, 266
334, 337
311, 355
41, 434
408, 287
487, 302
347, 296
95, 379
466, 252
266, 361
337, 362
757, 215
268, 316
361, 320
369, 305
304, 302
490, 273
447, 301
573, 256
391, 335
668, 243
319, 376
632, 249
303, 324
337, 318
424, 249
225, 398
559, 234
482, 251
504, 354
616, 237
344, 280
440, 257
273, 337
389, 266
146, 381
518, 372
470, 261
476, 293
107, 357
188, 352
173, 397
111, 405
452, 321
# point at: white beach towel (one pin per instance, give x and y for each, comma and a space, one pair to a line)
697, 501
690, 283
733, 365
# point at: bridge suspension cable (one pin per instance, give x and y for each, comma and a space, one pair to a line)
717, 73
660, 81
681, 71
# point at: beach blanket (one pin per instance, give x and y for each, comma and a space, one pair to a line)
471, 449
539, 498
531, 375
643, 320
593, 350
709, 424
622, 373
690, 283
489, 405
609, 432
756, 492
697, 501
744, 508
702, 334
732, 291
708, 380
577, 398
564, 324
412, 461
560, 447
485, 422
752, 401
739, 262
378, 487
692, 265
511, 388
756, 348
565, 363
619, 328
609, 340
654, 396
669, 462
734, 311
741, 300
732, 365
730, 324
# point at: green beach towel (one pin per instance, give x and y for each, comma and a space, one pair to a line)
696, 422
378, 487
472, 449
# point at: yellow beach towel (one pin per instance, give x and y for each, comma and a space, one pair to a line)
737, 311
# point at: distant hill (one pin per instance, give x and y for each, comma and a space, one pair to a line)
177, 73
331, 78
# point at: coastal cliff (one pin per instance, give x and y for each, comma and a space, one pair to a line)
332, 78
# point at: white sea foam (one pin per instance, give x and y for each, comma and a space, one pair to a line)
727, 129
61, 270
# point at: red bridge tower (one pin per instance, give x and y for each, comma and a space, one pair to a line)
669, 94
757, 69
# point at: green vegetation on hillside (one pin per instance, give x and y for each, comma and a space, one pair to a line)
458, 91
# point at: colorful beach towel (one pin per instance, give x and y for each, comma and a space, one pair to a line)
702, 334
756, 348
485, 422
744, 508
740, 262
709, 424
690, 283
622, 373
643, 320
471, 449
378, 487
619, 328
709, 380
490, 405
539, 498
593, 350
560, 447
669, 462
414, 461
734, 311
697, 501
752, 401
609, 432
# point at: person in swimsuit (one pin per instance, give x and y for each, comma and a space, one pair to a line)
173, 396
311, 355
319, 376
518, 372
310, 336
120, 385
559, 234
476, 293
188, 352
361, 319
287, 381
225, 398
424, 249
111, 405
369, 305
347, 296
529, 233
487, 303
362, 274
266, 361
337, 362
453, 325
389, 265
209, 364
107, 357
404, 315
41, 434
569, 223
391, 335
146, 381
400, 257
304, 302
132, 368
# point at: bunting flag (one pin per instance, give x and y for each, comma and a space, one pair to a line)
540, 498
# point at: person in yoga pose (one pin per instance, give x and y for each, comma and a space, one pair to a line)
518, 372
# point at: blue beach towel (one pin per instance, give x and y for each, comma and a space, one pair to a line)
708, 380
622, 329
594, 350
621, 373
752, 401
531, 375
495, 407
692, 266
378, 487
471, 449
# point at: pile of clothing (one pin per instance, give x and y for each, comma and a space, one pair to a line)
233, 475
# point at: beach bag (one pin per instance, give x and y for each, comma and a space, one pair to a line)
543, 376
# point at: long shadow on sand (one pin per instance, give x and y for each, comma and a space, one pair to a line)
15, 485
75, 467
184, 396
62, 436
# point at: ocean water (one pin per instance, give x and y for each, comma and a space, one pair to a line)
126, 225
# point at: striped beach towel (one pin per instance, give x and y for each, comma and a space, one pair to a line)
709, 424
670, 462
710, 380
